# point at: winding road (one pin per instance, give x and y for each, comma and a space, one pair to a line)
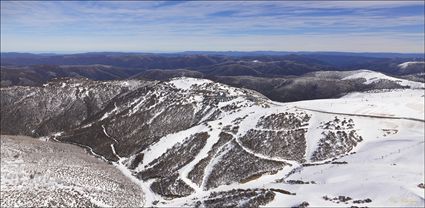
362, 115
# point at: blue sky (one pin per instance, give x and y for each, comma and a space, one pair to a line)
74, 26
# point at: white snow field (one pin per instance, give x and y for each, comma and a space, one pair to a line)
45, 174
384, 170
372, 76
386, 167
186, 84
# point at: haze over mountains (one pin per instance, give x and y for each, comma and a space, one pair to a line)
268, 74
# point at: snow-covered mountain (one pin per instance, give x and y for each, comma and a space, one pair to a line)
376, 77
413, 69
405, 65
193, 142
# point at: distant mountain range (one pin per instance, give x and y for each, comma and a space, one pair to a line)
195, 59
281, 76
237, 53
283, 53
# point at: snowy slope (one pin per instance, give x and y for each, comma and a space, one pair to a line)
387, 168
373, 77
42, 173
193, 142
187, 83
407, 103
365, 176
409, 63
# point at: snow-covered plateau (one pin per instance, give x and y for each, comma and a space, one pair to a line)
193, 142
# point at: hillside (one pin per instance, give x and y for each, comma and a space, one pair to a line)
195, 142
42, 173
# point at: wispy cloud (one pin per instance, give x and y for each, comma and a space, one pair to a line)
122, 25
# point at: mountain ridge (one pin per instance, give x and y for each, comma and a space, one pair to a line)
188, 140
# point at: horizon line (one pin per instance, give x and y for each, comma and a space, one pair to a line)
206, 51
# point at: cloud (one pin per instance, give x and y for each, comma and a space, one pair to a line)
210, 20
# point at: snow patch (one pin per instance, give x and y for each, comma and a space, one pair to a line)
186, 83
